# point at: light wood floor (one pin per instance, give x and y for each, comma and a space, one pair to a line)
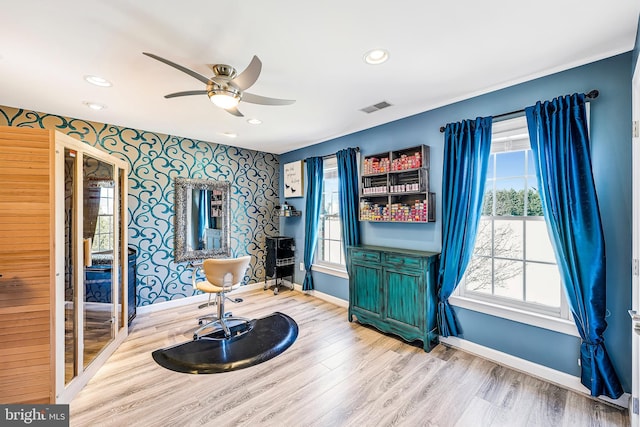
336, 374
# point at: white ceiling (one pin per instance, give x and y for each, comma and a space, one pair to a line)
440, 52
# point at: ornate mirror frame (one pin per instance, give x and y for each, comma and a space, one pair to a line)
182, 188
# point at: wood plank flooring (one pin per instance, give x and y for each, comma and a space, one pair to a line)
336, 374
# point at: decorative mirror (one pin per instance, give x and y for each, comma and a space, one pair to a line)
202, 219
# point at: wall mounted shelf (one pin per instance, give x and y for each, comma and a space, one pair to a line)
394, 187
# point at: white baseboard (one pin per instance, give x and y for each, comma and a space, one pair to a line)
543, 372
325, 297
195, 299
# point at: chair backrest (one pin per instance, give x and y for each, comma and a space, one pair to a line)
216, 269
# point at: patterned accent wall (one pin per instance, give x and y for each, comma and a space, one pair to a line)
154, 161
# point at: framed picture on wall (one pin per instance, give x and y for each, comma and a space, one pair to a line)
293, 184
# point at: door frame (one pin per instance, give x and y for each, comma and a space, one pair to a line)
66, 392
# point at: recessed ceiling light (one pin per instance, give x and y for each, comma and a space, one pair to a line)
94, 106
230, 134
98, 81
376, 56
254, 121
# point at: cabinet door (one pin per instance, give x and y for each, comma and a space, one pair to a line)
366, 293
405, 293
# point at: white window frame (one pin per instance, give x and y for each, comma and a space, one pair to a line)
519, 311
96, 247
320, 264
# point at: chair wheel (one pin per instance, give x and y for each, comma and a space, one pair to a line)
200, 322
195, 337
275, 291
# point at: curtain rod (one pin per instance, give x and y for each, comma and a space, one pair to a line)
591, 95
333, 155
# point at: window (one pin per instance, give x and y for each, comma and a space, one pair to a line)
513, 263
329, 251
103, 237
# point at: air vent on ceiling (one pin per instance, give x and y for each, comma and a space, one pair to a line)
376, 107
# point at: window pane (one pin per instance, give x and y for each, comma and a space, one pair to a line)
509, 279
543, 284
534, 205
334, 201
335, 252
324, 249
531, 169
483, 238
510, 197
491, 167
510, 164
508, 238
478, 275
335, 229
487, 203
539, 246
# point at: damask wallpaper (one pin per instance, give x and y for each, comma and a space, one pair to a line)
154, 161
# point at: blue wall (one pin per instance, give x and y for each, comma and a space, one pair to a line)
611, 149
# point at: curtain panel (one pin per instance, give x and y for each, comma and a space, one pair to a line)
313, 203
560, 145
467, 146
348, 184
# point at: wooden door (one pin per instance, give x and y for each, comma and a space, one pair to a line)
26, 266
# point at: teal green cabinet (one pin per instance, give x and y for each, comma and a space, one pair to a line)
394, 291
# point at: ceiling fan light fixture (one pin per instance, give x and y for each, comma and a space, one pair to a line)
226, 88
224, 98
376, 56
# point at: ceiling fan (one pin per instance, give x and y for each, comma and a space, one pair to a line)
226, 88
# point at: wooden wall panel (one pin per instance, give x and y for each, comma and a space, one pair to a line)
26, 266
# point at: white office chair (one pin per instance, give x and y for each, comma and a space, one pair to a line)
222, 275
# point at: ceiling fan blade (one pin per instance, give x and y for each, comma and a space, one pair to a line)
263, 100
234, 111
193, 74
186, 93
248, 77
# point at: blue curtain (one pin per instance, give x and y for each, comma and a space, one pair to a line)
467, 146
312, 216
560, 146
204, 217
348, 184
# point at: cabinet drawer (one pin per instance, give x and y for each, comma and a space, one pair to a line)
366, 256
404, 260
